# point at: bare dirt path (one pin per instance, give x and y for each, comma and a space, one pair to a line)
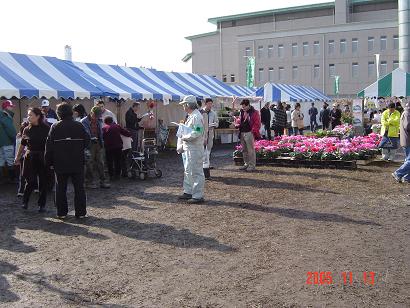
251, 245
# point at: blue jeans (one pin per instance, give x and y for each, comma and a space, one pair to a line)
404, 170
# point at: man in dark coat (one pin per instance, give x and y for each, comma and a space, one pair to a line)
266, 119
312, 115
132, 124
65, 149
325, 116
336, 116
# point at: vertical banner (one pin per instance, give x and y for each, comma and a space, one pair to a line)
377, 65
357, 109
337, 82
250, 72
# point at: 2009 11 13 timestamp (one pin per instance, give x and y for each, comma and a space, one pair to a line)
345, 278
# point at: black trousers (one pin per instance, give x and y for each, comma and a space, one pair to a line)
279, 131
80, 200
114, 161
36, 176
268, 131
125, 162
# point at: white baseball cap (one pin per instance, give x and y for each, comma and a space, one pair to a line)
188, 100
45, 103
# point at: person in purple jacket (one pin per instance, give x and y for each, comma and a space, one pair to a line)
113, 146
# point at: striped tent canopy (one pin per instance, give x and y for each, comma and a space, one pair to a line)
397, 83
245, 91
201, 86
35, 76
290, 93
131, 82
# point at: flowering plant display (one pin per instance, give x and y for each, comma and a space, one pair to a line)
313, 148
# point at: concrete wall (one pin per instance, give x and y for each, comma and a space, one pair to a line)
361, 22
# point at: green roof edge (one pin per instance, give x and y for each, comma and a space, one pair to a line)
201, 35
215, 20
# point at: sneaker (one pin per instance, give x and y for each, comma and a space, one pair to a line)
20, 194
105, 185
396, 177
196, 201
80, 216
244, 167
62, 217
36, 191
185, 197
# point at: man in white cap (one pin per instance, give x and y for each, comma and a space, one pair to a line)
193, 148
47, 111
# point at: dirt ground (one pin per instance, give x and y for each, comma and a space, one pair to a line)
251, 244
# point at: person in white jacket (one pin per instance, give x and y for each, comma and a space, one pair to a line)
193, 151
211, 122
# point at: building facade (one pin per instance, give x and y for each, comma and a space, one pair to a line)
306, 45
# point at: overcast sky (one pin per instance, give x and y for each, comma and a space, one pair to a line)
146, 33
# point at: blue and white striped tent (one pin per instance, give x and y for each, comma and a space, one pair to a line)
290, 93
131, 82
245, 91
201, 86
35, 76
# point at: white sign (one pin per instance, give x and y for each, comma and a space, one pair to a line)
357, 110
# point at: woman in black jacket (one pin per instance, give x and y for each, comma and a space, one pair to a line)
34, 140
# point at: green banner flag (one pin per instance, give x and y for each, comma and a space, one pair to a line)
337, 81
250, 72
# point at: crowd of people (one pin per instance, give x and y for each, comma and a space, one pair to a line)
282, 120
53, 146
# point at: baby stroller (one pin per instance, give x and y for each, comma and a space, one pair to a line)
142, 164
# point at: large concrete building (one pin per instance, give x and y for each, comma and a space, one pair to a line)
305, 45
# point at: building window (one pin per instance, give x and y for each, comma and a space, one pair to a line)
370, 69
383, 43
270, 51
260, 52
355, 69
224, 78
281, 73
331, 47
342, 46
395, 64
280, 51
294, 49
294, 72
395, 42
370, 43
248, 52
271, 74
383, 68
232, 78
316, 48
260, 76
316, 71
331, 70
305, 49
355, 45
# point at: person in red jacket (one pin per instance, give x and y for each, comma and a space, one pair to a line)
249, 124
113, 146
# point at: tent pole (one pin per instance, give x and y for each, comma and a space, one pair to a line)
21, 119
